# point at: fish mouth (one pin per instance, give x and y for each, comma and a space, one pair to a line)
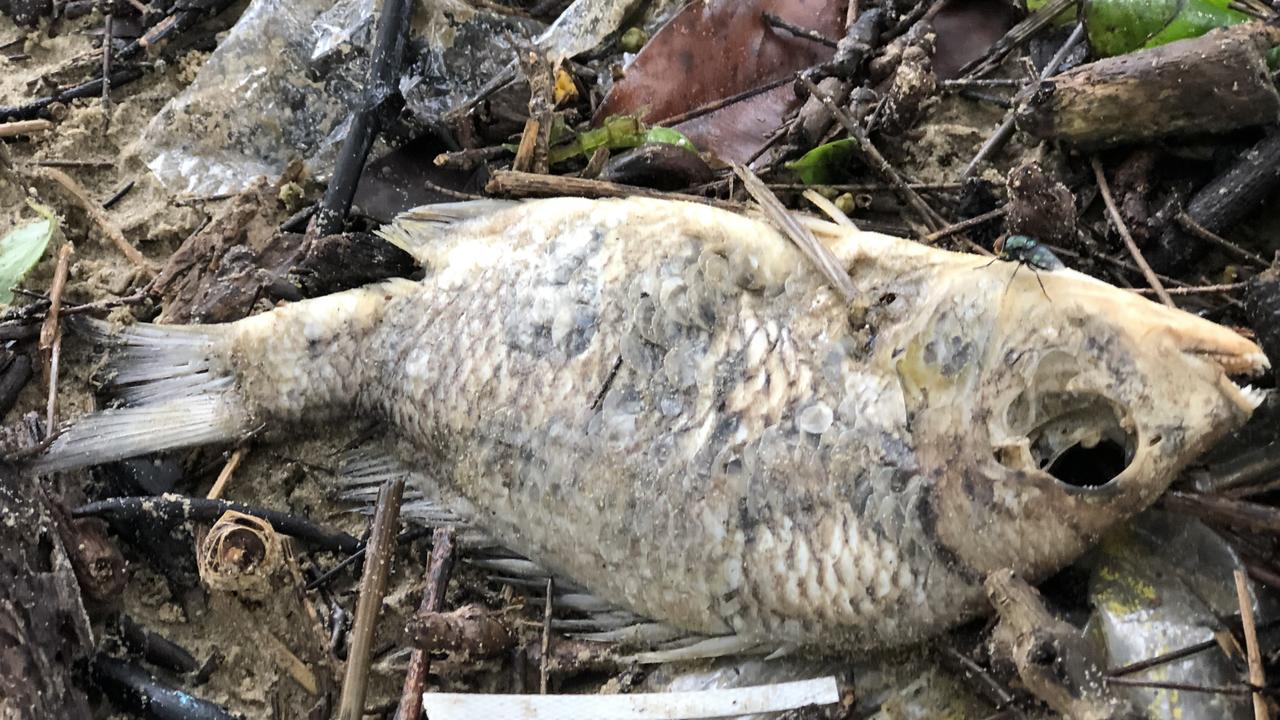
1087, 440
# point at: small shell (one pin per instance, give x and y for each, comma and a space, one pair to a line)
241, 554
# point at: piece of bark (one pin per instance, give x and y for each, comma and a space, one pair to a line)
1054, 659
217, 274
44, 630
470, 631
1211, 84
240, 257
339, 262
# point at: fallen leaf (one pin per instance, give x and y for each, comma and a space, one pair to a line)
825, 164
714, 49
22, 248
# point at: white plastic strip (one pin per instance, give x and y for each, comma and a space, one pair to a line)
641, 706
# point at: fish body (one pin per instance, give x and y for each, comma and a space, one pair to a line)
666, 404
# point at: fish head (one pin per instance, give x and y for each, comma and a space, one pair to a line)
1049, 406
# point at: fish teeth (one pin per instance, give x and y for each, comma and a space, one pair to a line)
1255, 396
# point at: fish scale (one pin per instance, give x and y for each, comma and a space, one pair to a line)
667, 405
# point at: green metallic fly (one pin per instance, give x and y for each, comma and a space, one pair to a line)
1027, 251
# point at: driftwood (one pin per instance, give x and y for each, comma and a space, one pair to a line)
1210, 84
1052, 657
44, 630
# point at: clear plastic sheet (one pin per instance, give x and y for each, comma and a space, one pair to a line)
283, 83
1157, 587
258, 102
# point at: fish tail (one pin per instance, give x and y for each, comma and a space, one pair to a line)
175, 390
183, 386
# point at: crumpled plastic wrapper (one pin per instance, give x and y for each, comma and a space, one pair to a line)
1159, 586
284, 82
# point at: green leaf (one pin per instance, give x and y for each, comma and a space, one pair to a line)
825, 164
619, 132
22, 248
1116, 27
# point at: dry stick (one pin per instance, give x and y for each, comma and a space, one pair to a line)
778, 23
415, 679
510, 183
1118, 221
964, 225
51, 333
1188, 223
817, 253
373, 585
928, 216
1005, 131
224, 476
1017, 36
99, 216
1257, 677
1196, 289
1184, 687
723, 102
546, 640
24, 127
106, 73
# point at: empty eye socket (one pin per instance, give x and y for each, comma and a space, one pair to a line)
1089, 467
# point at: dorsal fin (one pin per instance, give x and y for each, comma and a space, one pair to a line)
417, 230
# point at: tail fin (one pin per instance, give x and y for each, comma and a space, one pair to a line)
179, 390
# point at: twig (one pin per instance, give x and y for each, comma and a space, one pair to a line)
774, 21
823, 260
986, 685
1017, 36
393, 34
546, 639
99, 217
62, 162
31, 109
373, 586
171, 509
829, 208
24, 127
1196, 289
1188, 223
1185, 687
1173, 655
509, 183
51, 333
725, 102
224, 476
531, 155
1118, 221
470, 159
415, 679
970, 83
964, 225
1005, 131
928, 216
1257, 677
106, 72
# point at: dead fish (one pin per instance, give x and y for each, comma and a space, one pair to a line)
666, 404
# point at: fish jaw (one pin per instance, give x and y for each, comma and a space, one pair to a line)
1050, 406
